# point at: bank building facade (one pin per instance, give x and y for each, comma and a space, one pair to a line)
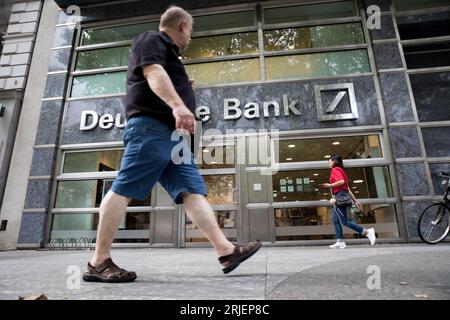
280, 87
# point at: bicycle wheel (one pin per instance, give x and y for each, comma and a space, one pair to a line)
434, 224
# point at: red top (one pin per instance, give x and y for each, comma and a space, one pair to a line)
338, 174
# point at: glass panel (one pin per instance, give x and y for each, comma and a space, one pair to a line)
112, 34
313, 37
431, 95
427, 56
355, 147
87, 194
216, 157
96, 161
99, 84
371, 182
435, 169
87, 221
401, 5
309, 12
317, 64
222, 46
437, 141
424, 26
223, 72
227, 223
317, 223
74, 221
220, 188
224, 21
103, 58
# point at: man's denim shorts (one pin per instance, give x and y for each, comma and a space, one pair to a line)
147, 159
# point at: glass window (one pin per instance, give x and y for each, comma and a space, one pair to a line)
402, 5
317, 64
316, 223
304, 185
433, 25
427, 56
103, 58
87, 194
216, 157
435, 169
226, 220
119, 33
220, 188
431, 95
313, 37
223, 72
89, 221
222, 46
224, 21
71, 222
96, 161
99, 84
437, 141
309, 12
354, 147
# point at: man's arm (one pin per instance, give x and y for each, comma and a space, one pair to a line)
160, 83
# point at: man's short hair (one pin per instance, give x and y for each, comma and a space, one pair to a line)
173, 16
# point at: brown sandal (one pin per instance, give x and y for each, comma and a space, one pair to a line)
239, 255
108, 271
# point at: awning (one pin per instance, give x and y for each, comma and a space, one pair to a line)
66, 3
162, 3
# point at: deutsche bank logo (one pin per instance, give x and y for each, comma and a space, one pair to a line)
336, 102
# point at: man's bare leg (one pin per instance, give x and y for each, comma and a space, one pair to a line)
202, 215
112, 211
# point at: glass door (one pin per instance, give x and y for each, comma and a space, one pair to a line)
217, 166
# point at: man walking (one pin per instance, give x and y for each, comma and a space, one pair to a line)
159, 99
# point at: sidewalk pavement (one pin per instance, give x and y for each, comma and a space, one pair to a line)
406, 271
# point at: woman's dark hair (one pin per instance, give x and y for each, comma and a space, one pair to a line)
337, 161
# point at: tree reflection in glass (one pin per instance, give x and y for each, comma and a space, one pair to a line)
220, 188
317, 64
224, 72
313, 37
221, 46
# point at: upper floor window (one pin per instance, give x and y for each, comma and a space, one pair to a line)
291, 42
403, 5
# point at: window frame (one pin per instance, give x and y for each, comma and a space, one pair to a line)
323, 164
259, 27
146, 236
420, 41
318, 164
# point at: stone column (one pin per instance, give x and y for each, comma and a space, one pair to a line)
402, 120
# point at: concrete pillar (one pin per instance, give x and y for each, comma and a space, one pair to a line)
17, 182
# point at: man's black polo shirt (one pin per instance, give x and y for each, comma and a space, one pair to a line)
155, 48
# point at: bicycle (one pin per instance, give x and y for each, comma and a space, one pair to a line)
434, 222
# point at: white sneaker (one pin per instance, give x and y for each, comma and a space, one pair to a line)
338, 245
371, 236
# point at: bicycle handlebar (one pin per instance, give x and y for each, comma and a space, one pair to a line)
444, 174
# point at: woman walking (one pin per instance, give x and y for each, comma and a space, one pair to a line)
341, 201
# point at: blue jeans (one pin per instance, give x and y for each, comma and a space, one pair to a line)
340, 219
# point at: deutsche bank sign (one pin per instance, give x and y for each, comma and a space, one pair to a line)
334, 102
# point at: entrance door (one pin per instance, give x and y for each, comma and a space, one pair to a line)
216, 160
255, 189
